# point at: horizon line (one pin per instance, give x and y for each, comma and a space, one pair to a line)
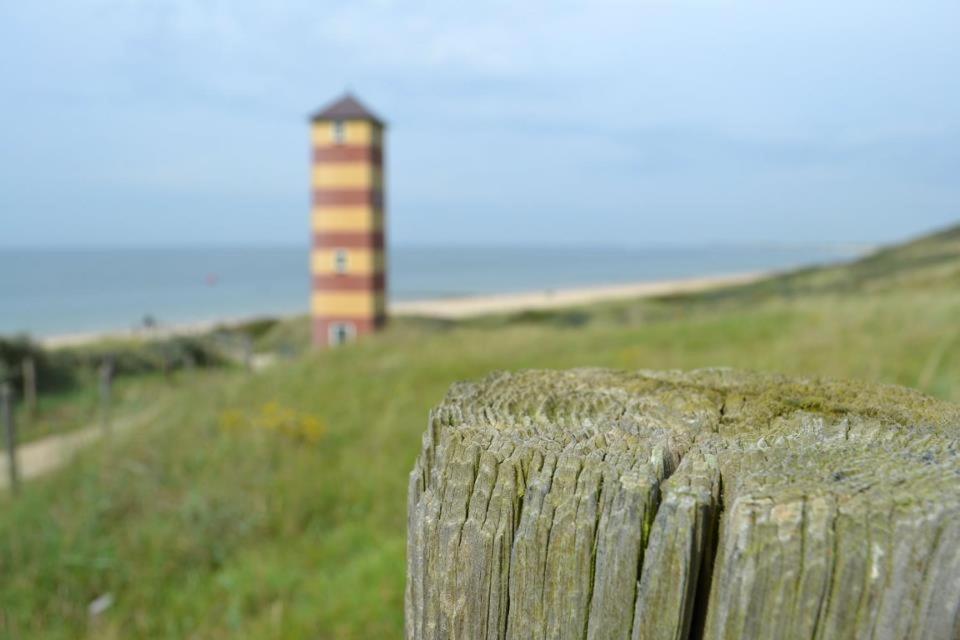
305, 246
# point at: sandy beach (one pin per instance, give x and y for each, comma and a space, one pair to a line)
466, 307
445, 308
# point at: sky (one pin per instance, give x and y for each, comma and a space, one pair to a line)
544, 122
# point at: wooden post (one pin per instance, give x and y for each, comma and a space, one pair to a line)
106, 381
248, 352
714, 504
10, 435
30, 386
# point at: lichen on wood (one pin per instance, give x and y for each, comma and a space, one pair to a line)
711, 504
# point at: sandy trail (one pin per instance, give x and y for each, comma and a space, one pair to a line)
45, 455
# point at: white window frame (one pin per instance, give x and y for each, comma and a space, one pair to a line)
339, 131
341, 261
348, 329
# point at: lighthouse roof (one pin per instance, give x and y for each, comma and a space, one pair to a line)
346, 107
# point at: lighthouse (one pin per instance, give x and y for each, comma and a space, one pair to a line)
347, 261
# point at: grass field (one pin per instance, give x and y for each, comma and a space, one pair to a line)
272, 505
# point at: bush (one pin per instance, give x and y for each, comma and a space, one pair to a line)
52, 375
165, 355
63, 369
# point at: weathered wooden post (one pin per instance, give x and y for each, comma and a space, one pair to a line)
106, 382
10, 435
712, 504
29, 372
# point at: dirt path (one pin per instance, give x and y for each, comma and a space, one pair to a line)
45, 455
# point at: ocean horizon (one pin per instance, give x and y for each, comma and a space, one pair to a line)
48, 292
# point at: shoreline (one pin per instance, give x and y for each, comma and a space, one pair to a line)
472, 306
455, 308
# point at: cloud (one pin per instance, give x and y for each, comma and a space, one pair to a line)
703, 107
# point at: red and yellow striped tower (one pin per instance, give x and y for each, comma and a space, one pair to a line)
347, 261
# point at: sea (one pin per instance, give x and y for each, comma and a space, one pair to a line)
48, 292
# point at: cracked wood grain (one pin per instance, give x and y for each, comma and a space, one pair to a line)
665, 505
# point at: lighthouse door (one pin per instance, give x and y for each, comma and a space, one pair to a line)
341, 332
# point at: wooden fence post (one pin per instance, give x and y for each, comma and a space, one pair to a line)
592, 504
30, 386
10, 435
165, 366
106, 381
248, 352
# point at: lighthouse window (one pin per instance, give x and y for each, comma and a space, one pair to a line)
341, 261
339, 132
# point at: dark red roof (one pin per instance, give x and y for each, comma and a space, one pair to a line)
346, 108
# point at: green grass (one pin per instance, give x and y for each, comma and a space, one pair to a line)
220, 519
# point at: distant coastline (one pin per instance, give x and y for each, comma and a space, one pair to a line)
459, 307
159, 332
68, 296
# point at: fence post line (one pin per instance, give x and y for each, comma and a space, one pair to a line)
10, 435
30, 386
106, 380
